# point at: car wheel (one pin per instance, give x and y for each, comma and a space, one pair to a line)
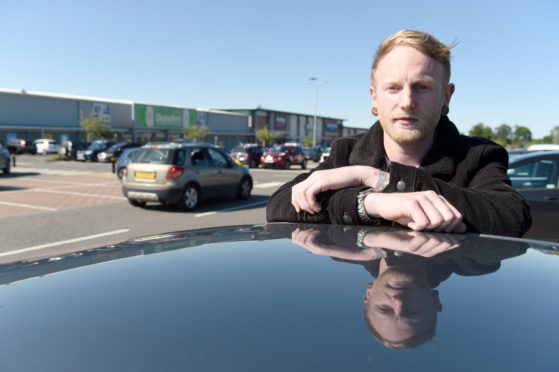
7, 169
287, 164
304, 164
252, 164
120, 173
137, 203
244, 189
190, 198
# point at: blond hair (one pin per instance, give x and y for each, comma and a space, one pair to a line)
422, 41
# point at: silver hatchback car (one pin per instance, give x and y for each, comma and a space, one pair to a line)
183, 175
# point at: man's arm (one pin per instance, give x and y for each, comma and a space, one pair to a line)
488, 204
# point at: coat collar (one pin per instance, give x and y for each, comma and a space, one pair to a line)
369, 149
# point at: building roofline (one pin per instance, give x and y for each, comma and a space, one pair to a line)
280, 111
25, 92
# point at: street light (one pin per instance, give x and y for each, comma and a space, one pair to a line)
316, 82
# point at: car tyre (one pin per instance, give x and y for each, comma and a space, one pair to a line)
120, 173
304, 164
244, 189
7, 169
190, 198
253, 164
137, 203
287, 164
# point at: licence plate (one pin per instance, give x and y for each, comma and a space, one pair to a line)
269, 159
145, 175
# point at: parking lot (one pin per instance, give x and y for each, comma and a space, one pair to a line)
64, 207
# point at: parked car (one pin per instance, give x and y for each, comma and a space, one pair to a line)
46, 146
284, 157
285, 297
5, 158
90, 153
247, 154
536, 176
313, 153
183, 175
68, 149
122, 162
21, 146
113, 152
325, 153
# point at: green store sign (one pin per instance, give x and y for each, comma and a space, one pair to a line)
148, 116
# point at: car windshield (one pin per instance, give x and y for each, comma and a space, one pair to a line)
153, 156
97, 146
239, 149
280, 149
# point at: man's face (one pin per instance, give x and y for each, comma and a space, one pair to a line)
400, 303
409, 91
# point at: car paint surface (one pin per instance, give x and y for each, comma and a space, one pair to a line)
252, 298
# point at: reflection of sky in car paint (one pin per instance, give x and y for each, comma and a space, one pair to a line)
276, 300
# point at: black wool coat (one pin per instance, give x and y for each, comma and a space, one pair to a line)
470, 172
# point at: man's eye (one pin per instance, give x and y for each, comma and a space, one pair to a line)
383, 309
392, 88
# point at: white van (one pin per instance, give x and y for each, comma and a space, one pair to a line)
543, 147
46, 146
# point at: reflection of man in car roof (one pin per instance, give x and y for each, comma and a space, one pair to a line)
401, 305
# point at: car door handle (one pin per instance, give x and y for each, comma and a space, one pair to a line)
551, 197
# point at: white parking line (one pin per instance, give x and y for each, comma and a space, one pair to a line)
37, 247
231, 209
267, 184
28, 206
78, 194
52, 172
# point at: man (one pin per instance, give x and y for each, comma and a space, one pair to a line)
412, 167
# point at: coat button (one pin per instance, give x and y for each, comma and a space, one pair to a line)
346, 218
401, 185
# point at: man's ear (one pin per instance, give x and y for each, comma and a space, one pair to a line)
437, 301
372, 92
368, 293
449, 91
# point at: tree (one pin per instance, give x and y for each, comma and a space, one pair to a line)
480, 130
308, 141
95, 127
503, 135
265, 137
196, 132
522, 136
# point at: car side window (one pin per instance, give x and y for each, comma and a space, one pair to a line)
179, 157
199, 158
217, 157
542, 173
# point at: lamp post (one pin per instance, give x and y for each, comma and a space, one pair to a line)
317, 82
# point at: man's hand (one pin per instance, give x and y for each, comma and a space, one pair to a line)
418, 243
303, 194
424, 210
308, 239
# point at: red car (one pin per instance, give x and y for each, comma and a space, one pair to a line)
284, 157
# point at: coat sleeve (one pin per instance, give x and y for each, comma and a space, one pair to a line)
488, 203
339, 206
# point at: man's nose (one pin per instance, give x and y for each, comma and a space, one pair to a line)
407, 99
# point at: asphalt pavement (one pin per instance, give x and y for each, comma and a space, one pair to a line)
51, 207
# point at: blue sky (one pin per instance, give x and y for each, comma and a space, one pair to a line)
242, 54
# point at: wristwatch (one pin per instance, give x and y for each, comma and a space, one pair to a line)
361, 212
363, 216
